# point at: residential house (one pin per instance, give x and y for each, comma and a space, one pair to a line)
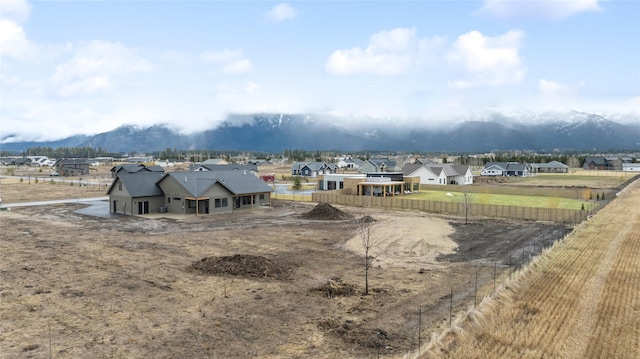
134, 193
376, 164
249, 168
439, 174
312, 169
350, 163
507, 169
72, 167
549, 167
16, 161
134, 168
602, 163
631, 167
200, 192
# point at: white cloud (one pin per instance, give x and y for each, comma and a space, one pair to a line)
487, 61
553, 88
17, 10
536, 9
14, 43
252, 87
231, 62
390, 52
95, 66
281, 12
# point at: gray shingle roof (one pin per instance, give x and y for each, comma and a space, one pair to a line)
236, 182
141, 184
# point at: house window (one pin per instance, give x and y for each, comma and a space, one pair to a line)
119, 186
191, 203
262, 196
176, 198
168, 199
221, 202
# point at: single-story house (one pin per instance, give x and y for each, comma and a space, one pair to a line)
549, 167
72, 167
207, 192
507, 169
602, 163
439, 174
16, 161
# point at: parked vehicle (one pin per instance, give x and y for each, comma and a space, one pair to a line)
54, 174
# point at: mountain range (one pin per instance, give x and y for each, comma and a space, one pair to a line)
276, 132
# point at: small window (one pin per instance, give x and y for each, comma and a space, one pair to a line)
119, 186
168, 199
262, 196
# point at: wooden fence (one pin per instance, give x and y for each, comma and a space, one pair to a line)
558, 215
571, 193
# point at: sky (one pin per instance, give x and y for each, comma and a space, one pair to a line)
86, 67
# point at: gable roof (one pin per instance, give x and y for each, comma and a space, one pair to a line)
236, 182
410, 168
226, 167
551, 164
141, 184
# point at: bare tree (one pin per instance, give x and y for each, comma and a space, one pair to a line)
369, 243
466, 204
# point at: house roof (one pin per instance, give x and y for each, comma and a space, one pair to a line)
141, 184
449, 169
227, 167
551, 164
236, 182
595, 160
410, 168
73, 162
127, 167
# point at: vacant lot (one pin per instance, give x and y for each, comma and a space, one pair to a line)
261, 283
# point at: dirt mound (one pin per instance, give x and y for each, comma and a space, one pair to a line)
325, 211
365, 219
334, 287
242, 265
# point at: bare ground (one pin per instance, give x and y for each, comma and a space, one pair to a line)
80, 286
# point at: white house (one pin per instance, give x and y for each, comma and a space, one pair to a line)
631, 167
439, 174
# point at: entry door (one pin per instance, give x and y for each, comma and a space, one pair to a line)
115, 206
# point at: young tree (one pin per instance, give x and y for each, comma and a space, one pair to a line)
466, 204
369, 244
296, 183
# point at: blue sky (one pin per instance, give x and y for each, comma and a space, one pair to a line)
72, 67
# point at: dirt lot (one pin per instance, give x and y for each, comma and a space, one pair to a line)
260, 283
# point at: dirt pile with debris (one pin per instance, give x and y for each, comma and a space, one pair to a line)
242, 265
325, 211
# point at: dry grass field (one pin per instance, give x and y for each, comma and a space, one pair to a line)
579, 299
275, 284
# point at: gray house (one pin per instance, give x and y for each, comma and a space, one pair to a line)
213, 191
206, 192
72, 167
135, 193
134, 168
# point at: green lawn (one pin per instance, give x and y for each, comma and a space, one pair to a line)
572, 180
503, 199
